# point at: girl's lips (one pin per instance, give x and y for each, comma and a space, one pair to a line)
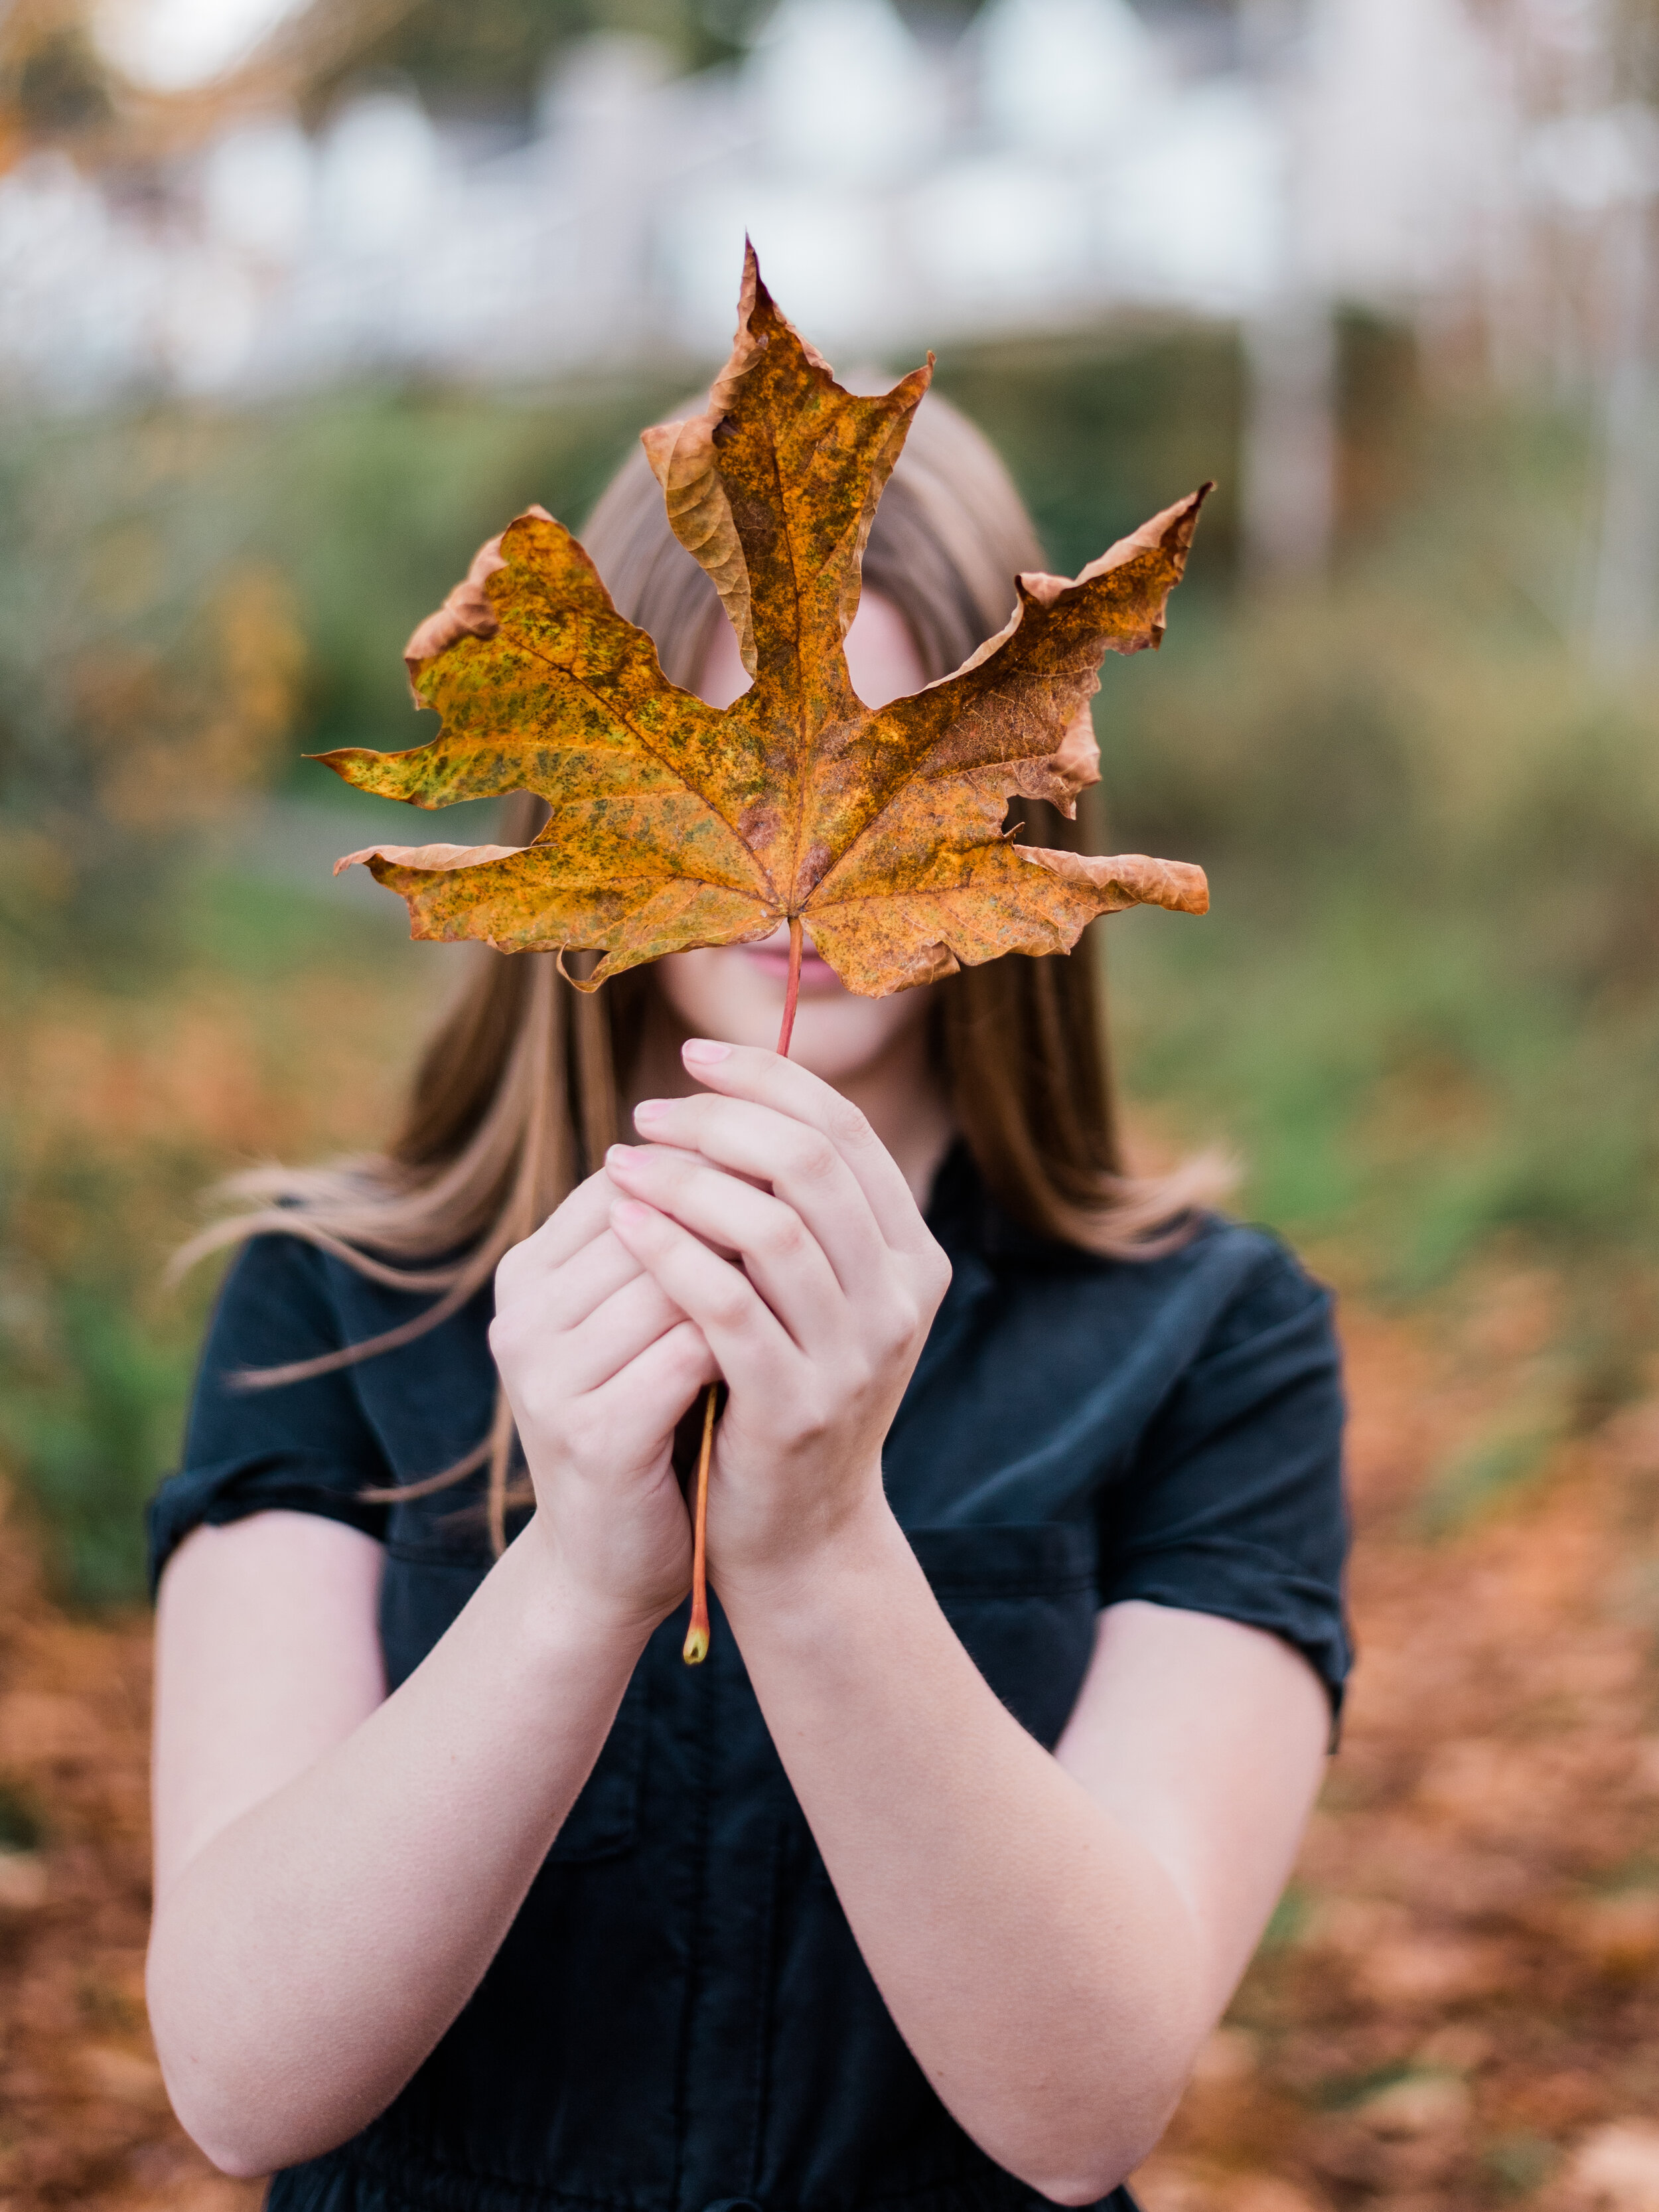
773, 960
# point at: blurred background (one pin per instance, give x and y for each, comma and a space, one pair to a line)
298, 303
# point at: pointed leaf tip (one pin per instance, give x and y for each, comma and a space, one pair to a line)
468, 611
1127, 879
445, 857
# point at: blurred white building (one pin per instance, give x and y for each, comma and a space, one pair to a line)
1058, 164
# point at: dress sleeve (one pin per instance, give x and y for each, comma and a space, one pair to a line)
1234, 1504
305, 1447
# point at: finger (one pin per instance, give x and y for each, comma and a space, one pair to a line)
642, 1402
799, 1164
616, 1331
715, 1238
781, 1257
547, 1303
751, 1344
748, 1071
564, 1299
575, 1222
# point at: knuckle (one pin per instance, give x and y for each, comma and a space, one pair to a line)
730, 1303
845, 1123
680, 1340
579, 1432
898, 1326
784, 1234
816, 1158
862, 1375
811, 1417
687, 1351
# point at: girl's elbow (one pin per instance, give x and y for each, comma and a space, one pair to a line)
1052, 2185
234, 2160
230, 2129
1085, 2182
1075, 2192
219, 2127
232, 2148
234, 2114
205, 2104
1079, 2165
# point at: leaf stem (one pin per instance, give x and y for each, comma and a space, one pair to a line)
695, 1650
787, 1027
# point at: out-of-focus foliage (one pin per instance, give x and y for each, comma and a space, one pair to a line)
1097, 442
55, 87
1427, 1008
1636, 47
490, 59
149, 661
185, 603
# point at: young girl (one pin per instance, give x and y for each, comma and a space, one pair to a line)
1025, 1527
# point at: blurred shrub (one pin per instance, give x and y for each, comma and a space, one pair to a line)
187, 601
150, 659
1099, 439
373, 503
1426, 1001
286, 1036
95, 1358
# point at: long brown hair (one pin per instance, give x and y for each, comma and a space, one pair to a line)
520, 1090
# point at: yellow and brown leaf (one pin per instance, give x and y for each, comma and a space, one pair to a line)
673, 823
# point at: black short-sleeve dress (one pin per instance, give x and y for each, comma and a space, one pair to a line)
679, 2019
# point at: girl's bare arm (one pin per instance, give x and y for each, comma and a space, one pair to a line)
1054, 1935
336, 1868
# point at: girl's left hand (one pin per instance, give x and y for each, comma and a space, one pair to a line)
817, 1330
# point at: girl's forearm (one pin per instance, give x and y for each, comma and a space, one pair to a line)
309, 1957
1036, 1957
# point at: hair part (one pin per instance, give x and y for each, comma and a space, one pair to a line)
518, 1090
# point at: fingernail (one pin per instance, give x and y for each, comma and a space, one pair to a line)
619, 1156
704, 1052
650, 1109
630, 1214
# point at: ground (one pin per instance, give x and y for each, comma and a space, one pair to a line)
1458, 2004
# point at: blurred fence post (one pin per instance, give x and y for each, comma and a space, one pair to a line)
1288, 461
1624, 607
1290, 438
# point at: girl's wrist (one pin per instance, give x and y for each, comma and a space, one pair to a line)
564, 1609
801, 1597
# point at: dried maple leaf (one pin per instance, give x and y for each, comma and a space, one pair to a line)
674, 823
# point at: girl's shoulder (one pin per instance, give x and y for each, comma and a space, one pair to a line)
295, 1407
1207, 1282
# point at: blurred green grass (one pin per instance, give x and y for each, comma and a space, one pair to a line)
1423, 1010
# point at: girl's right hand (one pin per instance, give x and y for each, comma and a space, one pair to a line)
600, 1365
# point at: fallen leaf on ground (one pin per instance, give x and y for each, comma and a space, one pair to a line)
1616, 2169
